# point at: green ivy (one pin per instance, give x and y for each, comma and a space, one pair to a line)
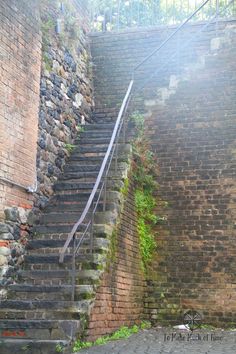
144, 167
125, 189
69, 147
47, 26
144, 203
59, 348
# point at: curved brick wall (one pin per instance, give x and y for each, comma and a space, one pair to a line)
193, 136
119, 298
191, 121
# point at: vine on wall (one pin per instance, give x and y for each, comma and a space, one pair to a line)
144, 174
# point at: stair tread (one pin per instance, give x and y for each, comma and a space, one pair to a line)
55, 273
54, 258
49, 288
99, 230
36, 244
29, 323
42, 304
99, 126
34, 341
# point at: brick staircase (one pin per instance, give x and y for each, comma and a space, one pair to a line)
38, 313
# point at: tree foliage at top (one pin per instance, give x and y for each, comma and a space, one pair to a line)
110, 15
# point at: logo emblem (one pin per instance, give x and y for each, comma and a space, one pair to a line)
192, 319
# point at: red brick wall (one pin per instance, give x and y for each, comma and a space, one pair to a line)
193, 138
119, 299
20, 59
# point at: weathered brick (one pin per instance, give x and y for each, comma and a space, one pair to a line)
19, 115
119, 299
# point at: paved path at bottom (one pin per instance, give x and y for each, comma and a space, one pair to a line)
168, 341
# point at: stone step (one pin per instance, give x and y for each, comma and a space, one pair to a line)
71, 306
94, 134
52, 225
100, 231
80, 176
111, 196
90, 171
54, 259
88, 155
96, 140
74, 178
96, 158
53, 246
53, 236
87, 276
41, 314
76, 197
32, 346
99, 126
73, 185
74, 167
85, 159
76, 207
55, 229
94, 149
51, 262
124, 150
39, 329
77, 176
40, 274
9, 307
78, 186
71, 217
49, 292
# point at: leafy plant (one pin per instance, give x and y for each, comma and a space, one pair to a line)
80, 129
144, 200
78, 345
47, 25
145, 325
122, 333
59, 348
47, 61
145, 173
138, 119
71, 23
69, 147
124, 190
146, 220
206, 326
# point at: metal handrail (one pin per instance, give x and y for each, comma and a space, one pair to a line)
105, 166
100, 174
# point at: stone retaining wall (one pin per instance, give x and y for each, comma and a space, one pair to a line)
46, 97
65, 92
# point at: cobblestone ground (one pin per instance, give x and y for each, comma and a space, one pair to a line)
166, 341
